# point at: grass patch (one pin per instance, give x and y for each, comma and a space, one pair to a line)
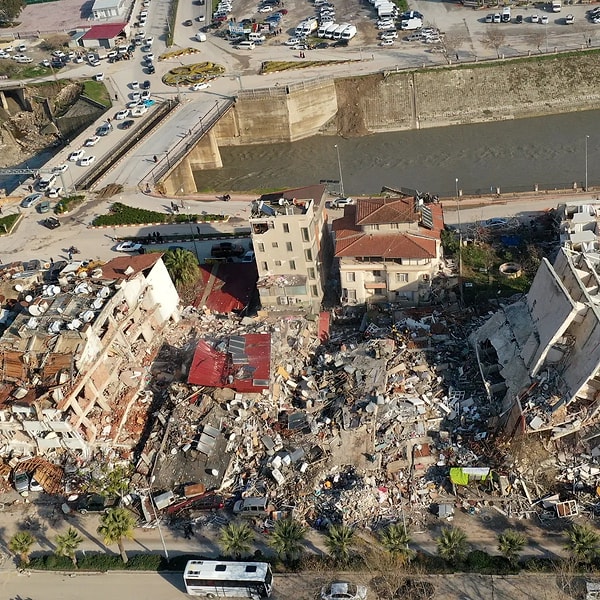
97, 91
64, 205
7, 223
276, 66
121, 214
34, 71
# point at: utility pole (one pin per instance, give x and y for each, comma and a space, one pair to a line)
340, 170
460, 243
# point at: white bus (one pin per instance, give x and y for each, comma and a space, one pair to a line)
227, 579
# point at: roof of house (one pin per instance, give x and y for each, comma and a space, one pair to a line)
123, 267
351, 240
314, 192
374, 211
106, 31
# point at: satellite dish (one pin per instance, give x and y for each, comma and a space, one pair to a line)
28, 298
34, 310
19, 287
97, 304
87, 316
104, 292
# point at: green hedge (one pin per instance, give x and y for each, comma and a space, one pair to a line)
121, 214
97, 561
69, 203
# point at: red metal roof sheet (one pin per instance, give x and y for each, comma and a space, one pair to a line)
107, 31
226, 287
216, 369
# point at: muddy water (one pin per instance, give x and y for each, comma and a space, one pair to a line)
511, 155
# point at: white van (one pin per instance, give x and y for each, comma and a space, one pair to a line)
257, 38
252, 507
246, 45
337, 34
505, 14
556, 5
46, 181
349, 32
330, 31
200, 37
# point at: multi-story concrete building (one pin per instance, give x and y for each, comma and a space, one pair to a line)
292, 246
74, 352
389, 250
540, 357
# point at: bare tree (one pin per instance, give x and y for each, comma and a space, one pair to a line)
537, 39
453, 40
494, 38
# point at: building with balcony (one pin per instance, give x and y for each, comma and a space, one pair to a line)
389, 250
292, 247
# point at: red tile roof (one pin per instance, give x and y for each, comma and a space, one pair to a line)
107, 31
373, 211
352, 241
117, 267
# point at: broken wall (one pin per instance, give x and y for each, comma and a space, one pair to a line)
161, 294
552, 311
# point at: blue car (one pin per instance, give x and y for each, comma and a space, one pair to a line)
148, 102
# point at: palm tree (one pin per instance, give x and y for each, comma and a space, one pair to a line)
67, 544
116, 525
339, 541
236, 539
511, 544
287, 538
395, 539
20, 544
182, 266
583, 543
452, 544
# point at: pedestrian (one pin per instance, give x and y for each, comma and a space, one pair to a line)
51, 261
198, 229
457, 56
182, 206
70, 256
0, 209
30, 188
189, 132
155, 158
116, 96
589, 41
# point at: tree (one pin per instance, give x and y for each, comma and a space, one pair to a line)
339, 542
182, 266
395, 539
537, 38
10, 10
287, 538
494, 38
116, 525
20, 544
452, 544
236, 539
583, 543
67, 544
511, 544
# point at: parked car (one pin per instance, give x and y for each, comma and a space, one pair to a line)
341, 202
104, 129
200, 86
122, 115
31, 200
99, 76
544, 20
92, 141
569, 20
35, 486
76, 155
92, 503
248, 257
535, 18
129, 247
44, 206
343, 590
60, 168
519, 19
51, 222
86, 161
127, 124
54, 192
495, 223
21, 481
226, 249
146, 85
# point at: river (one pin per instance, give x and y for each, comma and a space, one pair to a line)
512, 155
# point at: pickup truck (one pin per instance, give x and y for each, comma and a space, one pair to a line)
88, 503
226, 250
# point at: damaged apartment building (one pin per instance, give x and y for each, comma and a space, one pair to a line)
292, 246
540, 356
74, 352
389, 250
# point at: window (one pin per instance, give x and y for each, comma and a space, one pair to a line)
264, 266
375, 227
277, 263
376, 273
260, 247
292, 265
394, 226
351, 294
311, 273
313, 290
286, 228
308, 255
288, 246
275, 245
402, 277
305, 234
350, 277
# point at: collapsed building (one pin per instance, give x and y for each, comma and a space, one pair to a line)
76, 344
540, 356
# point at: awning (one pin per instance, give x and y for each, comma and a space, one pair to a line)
375, 285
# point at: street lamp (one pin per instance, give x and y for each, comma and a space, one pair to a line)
587, 137
340, 170
460, 282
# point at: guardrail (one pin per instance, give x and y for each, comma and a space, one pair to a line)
174, 155
107, 161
